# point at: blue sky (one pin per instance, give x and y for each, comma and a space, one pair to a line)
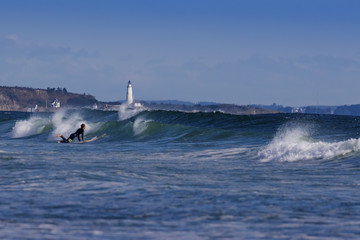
230, 51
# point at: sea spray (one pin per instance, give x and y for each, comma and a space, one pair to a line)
29, 127
126, 112
295, 144
62, 122
66, 122
140, 125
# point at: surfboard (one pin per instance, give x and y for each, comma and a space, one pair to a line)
92, 139
86, 141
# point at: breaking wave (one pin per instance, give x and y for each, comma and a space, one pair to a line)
281, 138
126, 112
140, 125
295, 144
30, 127
130, 124
62, 122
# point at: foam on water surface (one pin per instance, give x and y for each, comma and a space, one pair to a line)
29, 127
295, 144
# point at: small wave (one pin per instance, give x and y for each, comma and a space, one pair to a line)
295, 144
216, 154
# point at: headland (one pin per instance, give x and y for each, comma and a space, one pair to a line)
25, 99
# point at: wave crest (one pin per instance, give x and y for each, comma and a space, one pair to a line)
29, 127
140, 125
125, 111
295, 144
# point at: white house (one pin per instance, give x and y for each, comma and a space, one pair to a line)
33, 108
55, 104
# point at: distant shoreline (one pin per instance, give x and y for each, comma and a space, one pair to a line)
25, 99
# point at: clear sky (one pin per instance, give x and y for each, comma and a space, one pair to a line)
292, 52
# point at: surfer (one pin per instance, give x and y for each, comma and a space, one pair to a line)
77, 134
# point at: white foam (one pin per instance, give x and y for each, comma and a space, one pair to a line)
62, 122
294, 144
126, 112
140, 125
65, 124
29, 127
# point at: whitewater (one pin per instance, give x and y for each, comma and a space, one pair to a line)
178, 175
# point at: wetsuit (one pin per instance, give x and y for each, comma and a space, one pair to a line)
77, 134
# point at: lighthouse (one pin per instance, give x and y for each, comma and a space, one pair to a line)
129, 94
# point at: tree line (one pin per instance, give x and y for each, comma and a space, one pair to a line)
57, 90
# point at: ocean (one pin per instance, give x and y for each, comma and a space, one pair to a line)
177, 175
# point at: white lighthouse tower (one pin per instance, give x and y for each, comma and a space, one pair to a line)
129, 94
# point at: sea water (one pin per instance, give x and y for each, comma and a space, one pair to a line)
176, 175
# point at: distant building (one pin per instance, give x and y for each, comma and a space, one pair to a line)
33, 108
130, 99
298, 110
129, 94
138, 105
55, 104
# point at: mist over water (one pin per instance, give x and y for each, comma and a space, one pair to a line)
176, 175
